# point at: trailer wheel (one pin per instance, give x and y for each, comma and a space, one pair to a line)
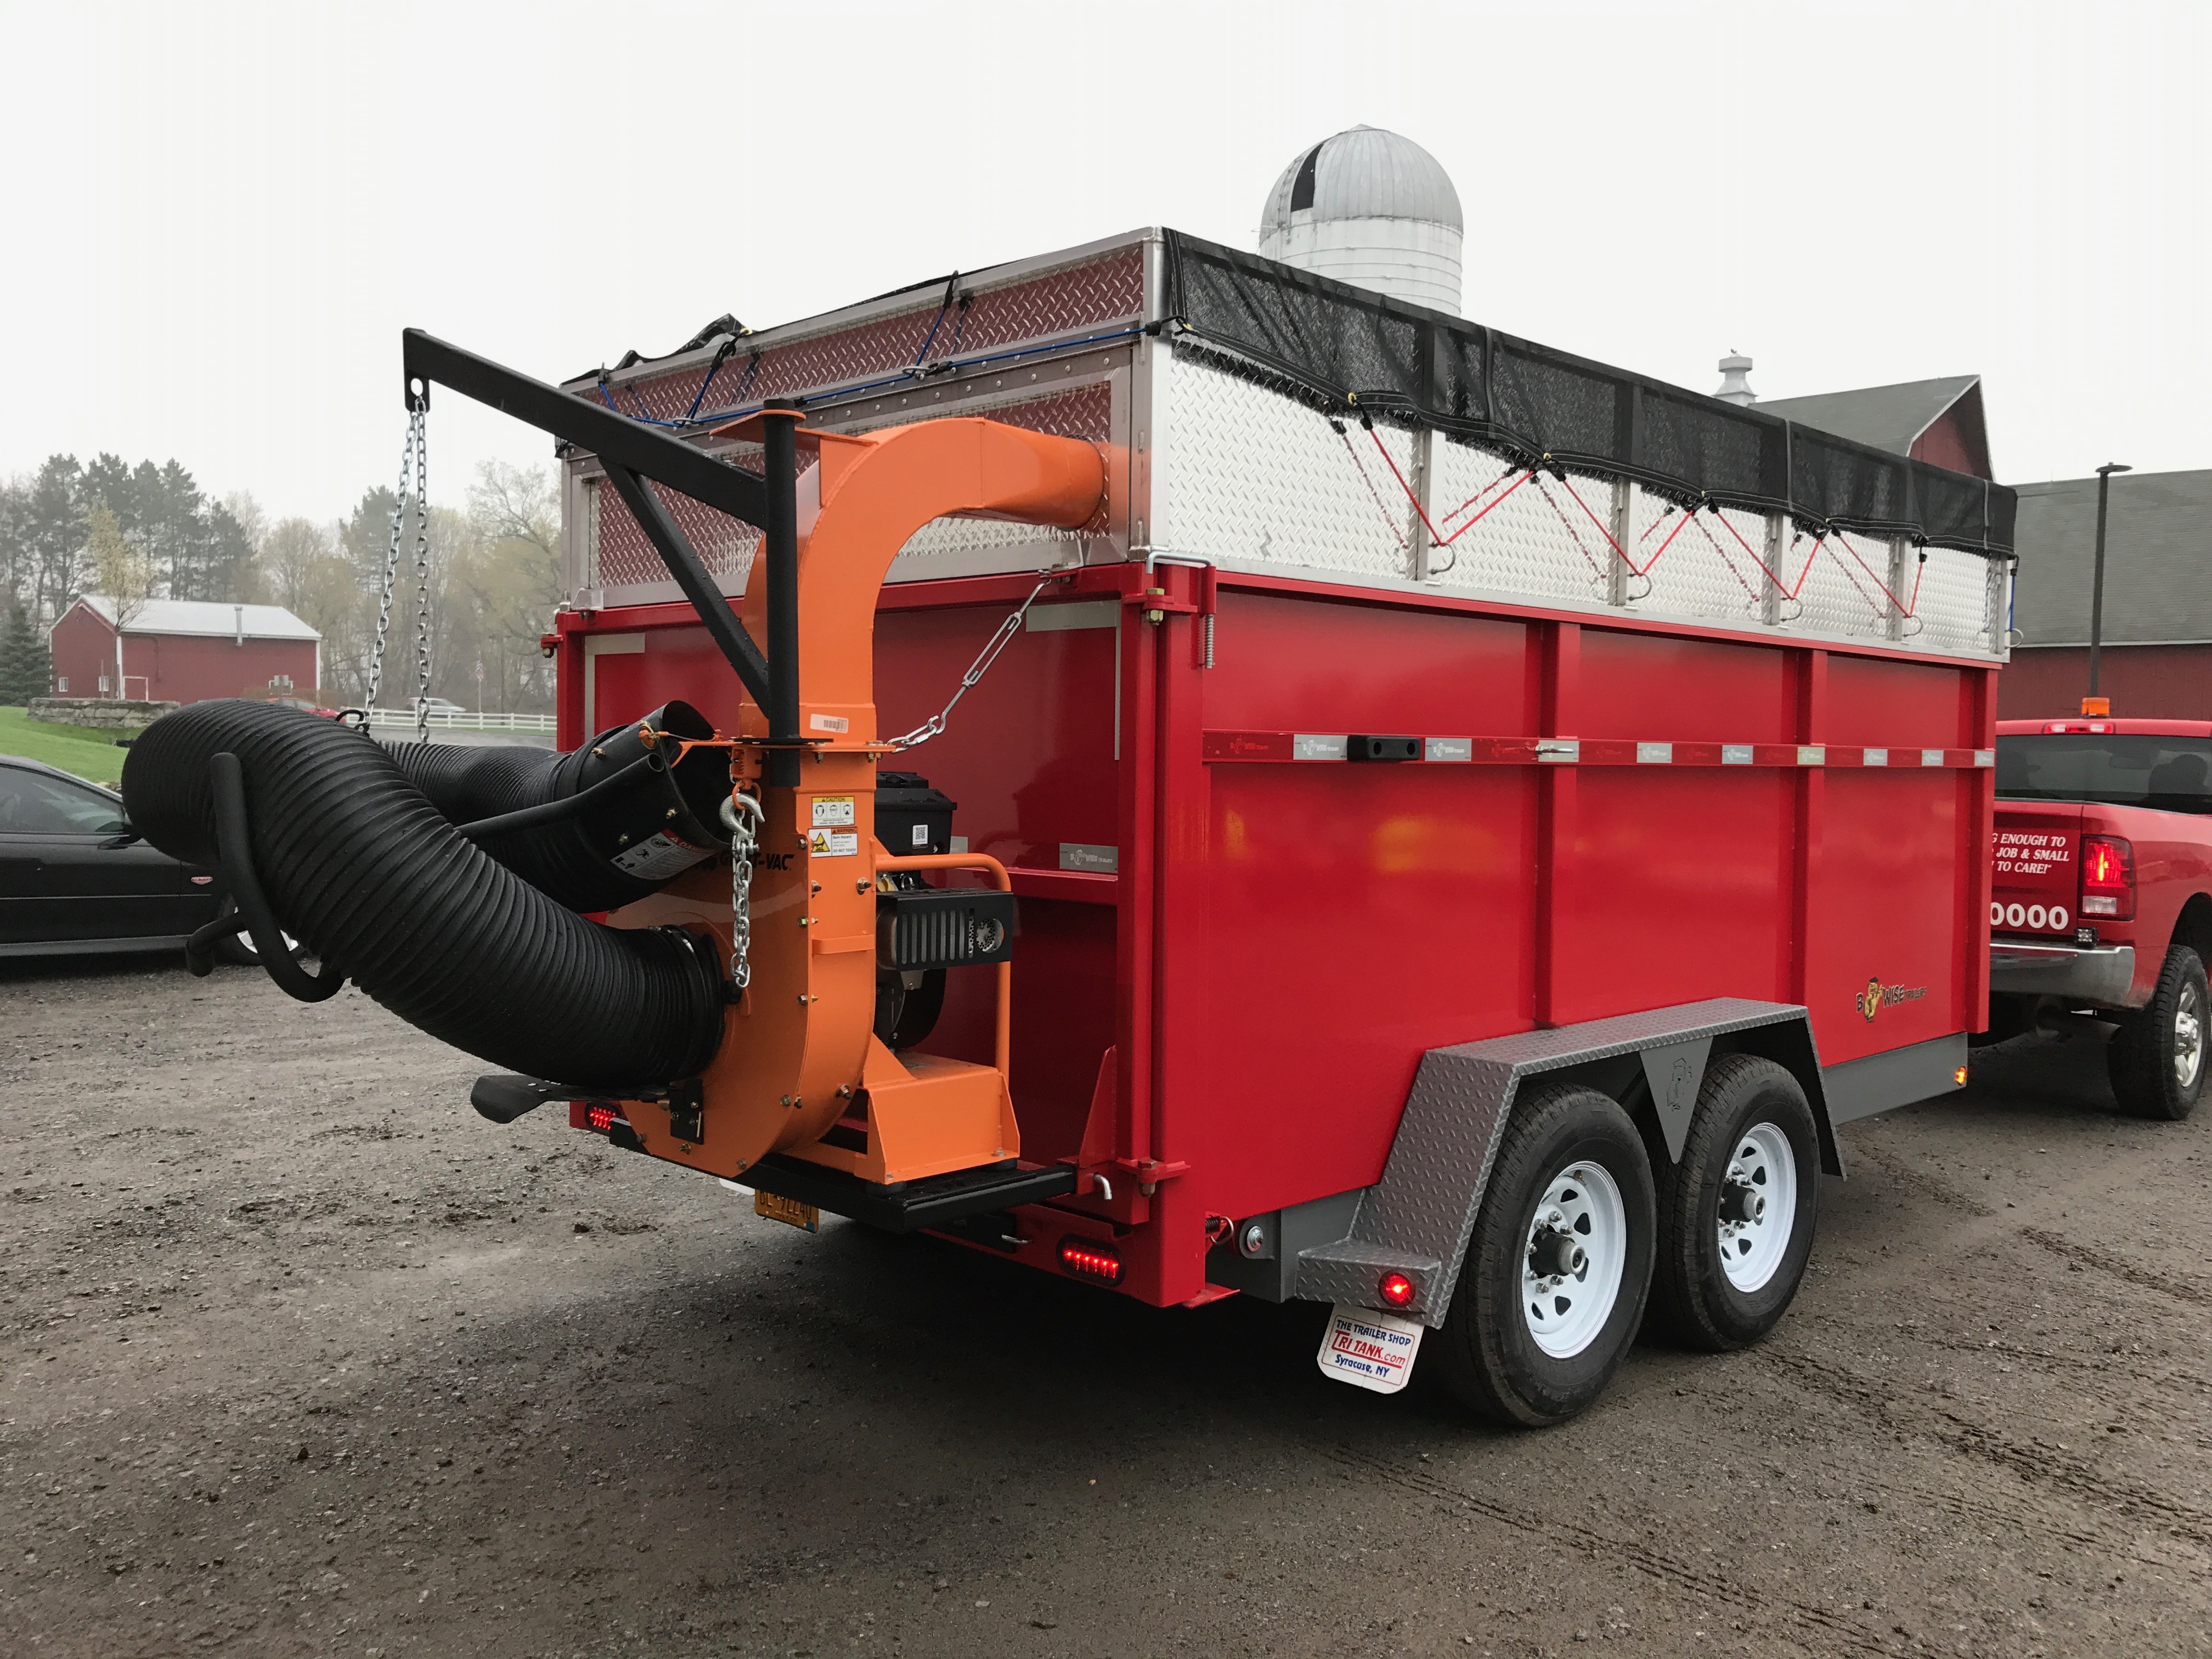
2156, 1059
1552, 1287
1736, 1213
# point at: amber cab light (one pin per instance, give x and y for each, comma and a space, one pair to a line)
1396, 1289
1087, 1258
2108, 878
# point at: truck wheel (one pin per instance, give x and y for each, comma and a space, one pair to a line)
1735, 1215
2156, 1059
1552, 1287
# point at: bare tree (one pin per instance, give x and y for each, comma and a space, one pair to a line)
291, 554
518, 503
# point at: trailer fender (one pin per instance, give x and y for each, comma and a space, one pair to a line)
1418, 1219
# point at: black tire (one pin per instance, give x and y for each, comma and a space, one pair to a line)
1487, 1353
1693, 1299
2156, 1059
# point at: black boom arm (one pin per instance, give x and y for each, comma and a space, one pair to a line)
632, 451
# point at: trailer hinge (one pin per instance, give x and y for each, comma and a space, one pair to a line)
1150, 1172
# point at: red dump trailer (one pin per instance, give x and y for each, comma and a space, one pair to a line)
1237, 784
1363, 776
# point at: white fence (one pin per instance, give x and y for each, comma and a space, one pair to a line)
462, 719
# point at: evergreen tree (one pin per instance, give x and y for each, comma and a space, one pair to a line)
25, 666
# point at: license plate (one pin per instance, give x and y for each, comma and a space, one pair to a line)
789, 1211
1370, 1350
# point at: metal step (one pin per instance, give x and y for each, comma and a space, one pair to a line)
909, 1206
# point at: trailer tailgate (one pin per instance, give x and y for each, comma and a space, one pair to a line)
2034, 884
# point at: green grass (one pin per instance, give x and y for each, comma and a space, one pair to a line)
79, 748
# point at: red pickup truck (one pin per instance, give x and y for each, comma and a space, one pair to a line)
2100, 907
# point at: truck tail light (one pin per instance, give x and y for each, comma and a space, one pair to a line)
1396, 1289
2108, 878
1087, 1258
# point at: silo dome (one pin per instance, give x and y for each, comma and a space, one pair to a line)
1370, 206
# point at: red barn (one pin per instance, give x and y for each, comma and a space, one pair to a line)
1936, 420
180, 650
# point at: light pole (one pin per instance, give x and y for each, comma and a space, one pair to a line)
2097, 594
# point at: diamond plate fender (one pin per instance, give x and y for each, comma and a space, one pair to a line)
1419, 1217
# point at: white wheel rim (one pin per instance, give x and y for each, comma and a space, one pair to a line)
2188, 1038
1758, 1207
1567, 1298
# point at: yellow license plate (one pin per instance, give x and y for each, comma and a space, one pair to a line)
789, 1211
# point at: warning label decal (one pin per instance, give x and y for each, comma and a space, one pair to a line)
659, 857
833, 844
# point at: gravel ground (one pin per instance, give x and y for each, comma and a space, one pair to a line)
300, 1356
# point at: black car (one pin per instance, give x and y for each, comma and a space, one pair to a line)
74, 880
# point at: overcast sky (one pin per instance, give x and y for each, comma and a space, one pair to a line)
222, 216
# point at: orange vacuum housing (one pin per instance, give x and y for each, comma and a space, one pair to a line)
798, 1057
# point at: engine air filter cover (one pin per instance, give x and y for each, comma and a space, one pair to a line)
928, 927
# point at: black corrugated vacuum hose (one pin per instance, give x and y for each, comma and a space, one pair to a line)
353, 861
598, 828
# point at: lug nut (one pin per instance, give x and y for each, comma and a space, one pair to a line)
1556, 1255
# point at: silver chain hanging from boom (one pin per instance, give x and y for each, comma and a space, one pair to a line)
422, 586
410, 469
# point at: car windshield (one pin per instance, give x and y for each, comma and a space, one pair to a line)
2171, 775
33, 804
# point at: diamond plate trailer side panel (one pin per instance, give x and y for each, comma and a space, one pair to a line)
1419, 1217
1250, 479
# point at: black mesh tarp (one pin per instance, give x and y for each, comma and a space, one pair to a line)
1344, 349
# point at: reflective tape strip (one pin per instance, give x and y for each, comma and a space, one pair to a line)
1234, 746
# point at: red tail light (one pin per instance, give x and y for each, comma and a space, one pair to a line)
600, 1119
1089, 1259
2108, 878
1396, 1289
